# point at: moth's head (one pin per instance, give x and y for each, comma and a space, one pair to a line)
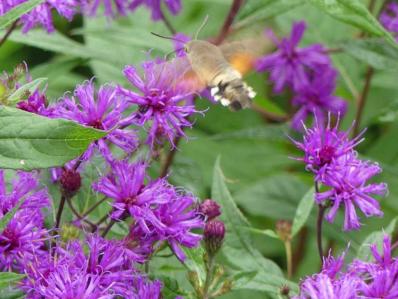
189, 46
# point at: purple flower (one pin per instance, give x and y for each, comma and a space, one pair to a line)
291, 66
156, 7
316, 97
389, 18
24, 234
126, 185
347, 180
104, 270
36, 103
161, 212
112, 7
162, 102
323, 145
42, 14
102, 110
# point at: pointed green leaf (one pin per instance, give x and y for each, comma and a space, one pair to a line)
29, 141
15, 13
355, 13
303, 211
28, 87
7, 278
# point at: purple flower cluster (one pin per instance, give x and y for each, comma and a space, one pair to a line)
307, 71
330, 155
376, 279
24, 235
155, 6
104, 269
42, 14
162, 101
389, 18
160, 211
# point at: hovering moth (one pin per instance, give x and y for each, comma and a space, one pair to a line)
220, 68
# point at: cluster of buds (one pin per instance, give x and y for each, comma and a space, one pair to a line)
214, 231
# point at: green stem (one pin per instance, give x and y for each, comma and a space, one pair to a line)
209, 278
289, 260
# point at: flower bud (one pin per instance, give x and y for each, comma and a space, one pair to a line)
70, 182
284, 290
284, 230
69, 232
214, 236
210, 209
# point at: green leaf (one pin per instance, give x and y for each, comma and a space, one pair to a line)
374, 52
17, 12
364, 253
266, 232
7, 278
237, 248
355, 13
28, 87
194, 261
303, 211
259, 11
29, 141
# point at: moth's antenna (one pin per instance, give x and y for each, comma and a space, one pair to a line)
168, 37
201, 26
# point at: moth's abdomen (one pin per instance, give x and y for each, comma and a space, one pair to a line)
235, 94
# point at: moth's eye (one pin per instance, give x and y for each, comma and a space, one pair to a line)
186, 49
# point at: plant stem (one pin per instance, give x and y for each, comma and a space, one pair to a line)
93, 207
8, 32
168, 24
77, 214
108, 228
169, 159
59, 212
362, 99
209, 278
236, 5
319, 223
289, 260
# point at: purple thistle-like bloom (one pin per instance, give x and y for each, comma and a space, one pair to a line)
174, 7
102, 110
160, 211
41, 15
111, 7
162, 103
389, 18
36, 103
105, 270
323, 145
126, 185
316, 98
347, 180
291, 66
24, 234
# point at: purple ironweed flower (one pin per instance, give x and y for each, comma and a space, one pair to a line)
155, 6
291, 66
104, 270
317, 98
126, 185
174, 221
146, 289
347, 179
24, 233
323, 145
379, 278
162, 103
111, 7
389, 18
102, 110
42, 13
140, 242
36, 103
162, 213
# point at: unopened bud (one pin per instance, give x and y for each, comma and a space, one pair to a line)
210, 209
284, 230
284, 290
214, 236
71, 182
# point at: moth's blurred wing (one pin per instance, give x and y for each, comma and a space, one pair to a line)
180, 75
243, 54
